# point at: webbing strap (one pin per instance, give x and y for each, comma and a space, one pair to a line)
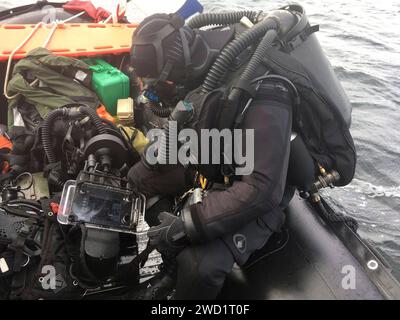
19, 278
246, 86
155, 39
289, 46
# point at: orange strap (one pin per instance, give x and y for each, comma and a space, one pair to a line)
104, 114
5, 167
5, 143
203, 182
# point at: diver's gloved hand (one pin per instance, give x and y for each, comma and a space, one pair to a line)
169, 237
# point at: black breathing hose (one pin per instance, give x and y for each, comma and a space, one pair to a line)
61, 112
255, 61
222, 19
46, 133
169, 138
182, 113
227, 57
158, 110
96, 120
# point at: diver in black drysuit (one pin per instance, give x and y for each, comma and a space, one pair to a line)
231, 223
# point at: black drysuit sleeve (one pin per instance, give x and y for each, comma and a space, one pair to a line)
257, 194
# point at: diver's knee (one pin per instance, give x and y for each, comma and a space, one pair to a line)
142, 178
135, 175
209, 264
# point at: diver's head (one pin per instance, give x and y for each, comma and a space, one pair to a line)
163, 48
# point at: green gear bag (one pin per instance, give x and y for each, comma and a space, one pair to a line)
62, 80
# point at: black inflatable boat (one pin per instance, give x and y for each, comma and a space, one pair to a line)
313, 258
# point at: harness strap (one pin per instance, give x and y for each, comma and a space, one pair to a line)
156, 39
246, 86
19, 278
289, 46
49, 226
165, 72
142, 257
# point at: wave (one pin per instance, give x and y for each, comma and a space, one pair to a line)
373, 191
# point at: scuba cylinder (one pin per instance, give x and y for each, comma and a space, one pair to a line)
101, 252
302, 44
323, 117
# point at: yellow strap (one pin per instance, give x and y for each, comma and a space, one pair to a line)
203, 182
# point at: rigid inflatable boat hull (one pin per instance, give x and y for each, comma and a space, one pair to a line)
314, 264
31, 14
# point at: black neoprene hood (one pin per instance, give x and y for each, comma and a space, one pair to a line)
164, 48
160, 44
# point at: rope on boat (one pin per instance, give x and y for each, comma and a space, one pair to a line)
25, 41
336, 217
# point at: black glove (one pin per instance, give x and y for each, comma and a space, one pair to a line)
169, 237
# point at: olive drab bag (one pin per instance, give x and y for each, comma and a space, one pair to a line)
59, 81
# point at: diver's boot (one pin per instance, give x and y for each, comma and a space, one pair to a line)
160, 287
195, 290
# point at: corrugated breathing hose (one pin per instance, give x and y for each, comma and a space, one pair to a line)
61, 112
46, 133
222, 19
158, 110
96, 120
227, 57
255, 61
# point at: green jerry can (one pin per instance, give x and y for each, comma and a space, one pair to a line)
109, 83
